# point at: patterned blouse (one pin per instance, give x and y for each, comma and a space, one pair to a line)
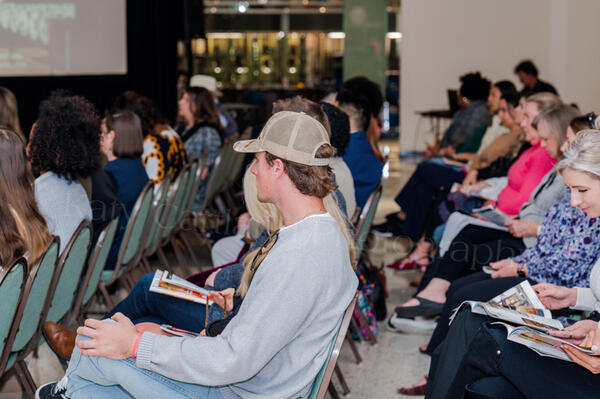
163, 152
566, 249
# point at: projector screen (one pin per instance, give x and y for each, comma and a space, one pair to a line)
62, 37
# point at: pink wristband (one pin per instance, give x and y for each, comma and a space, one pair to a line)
135, 345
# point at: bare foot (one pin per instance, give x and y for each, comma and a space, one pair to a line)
423, 348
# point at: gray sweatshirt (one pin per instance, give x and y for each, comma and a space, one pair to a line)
276, 344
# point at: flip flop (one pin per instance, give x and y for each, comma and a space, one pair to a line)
426, 308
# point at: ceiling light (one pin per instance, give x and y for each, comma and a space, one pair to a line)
394, 35
322, 10
336, 35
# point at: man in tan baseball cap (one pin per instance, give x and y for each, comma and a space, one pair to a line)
295, 289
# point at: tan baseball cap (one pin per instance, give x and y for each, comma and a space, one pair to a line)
206, 81
293, 136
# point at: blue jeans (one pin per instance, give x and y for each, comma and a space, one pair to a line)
141, 305
99, 377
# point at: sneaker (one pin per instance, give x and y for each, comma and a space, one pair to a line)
417, 325
52, 390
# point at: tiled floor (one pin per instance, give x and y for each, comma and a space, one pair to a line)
392, 362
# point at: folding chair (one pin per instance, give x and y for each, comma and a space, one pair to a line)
131, 246
12, 286
31, 313
95, 266
322, 382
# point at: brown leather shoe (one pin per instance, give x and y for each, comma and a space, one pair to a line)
60, 340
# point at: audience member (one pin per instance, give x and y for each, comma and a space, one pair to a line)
528, 75
472, 346
23, 230
202, 132
473, 92
360, 85
209, 83
64, 147
340, 137
163, 149
9, 112
121, 142
299, 262
364, 164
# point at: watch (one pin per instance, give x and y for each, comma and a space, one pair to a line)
521, 270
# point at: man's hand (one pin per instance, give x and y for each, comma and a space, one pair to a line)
577, 332
592, 363
504, 268
522, 228
554, 297
111, 340
223, 298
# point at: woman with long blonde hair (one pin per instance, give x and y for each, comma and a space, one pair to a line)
23, 230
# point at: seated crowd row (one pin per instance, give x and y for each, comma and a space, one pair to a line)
94, 169
534, 160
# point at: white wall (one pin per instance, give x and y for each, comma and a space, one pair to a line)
445, 39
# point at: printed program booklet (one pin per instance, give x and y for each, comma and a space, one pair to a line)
169, 284
520, 305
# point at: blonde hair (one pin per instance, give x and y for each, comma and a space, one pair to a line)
543, 100
583, 153
329, 203
263, 213
9, 112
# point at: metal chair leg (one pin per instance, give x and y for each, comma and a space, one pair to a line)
332, 391
353, 347
163, 259
109, 303
189, 249
181, 260
25, 378
340, 376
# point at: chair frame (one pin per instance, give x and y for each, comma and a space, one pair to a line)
79, 308
20, 367
129, 230
59, 267
5, 353
330, 363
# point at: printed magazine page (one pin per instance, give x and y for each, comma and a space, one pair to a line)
543, 344
518, 305
168, 284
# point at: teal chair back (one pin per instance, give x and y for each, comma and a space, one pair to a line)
197, 181
319, 388
98, 259
35, 297
193, 168
136, 224
12, 284
181, 185
161, 196
70, 268
365, 221
220, 171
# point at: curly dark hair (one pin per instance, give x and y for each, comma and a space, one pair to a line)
371, 90
66, 137
144, 107
474, 86
340, 127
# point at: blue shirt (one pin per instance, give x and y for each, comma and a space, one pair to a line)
130, 177
366, 169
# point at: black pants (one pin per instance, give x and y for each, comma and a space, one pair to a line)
478, 357
417, 196
477, 287
473, 248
